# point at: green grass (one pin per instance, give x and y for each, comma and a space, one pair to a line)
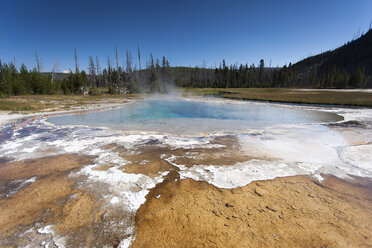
35, 103
290, 96
15, 106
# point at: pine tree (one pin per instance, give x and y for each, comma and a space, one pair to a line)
261, 71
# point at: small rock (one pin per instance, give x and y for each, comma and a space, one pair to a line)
229, 205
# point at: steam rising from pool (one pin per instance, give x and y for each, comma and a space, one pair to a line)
192, 116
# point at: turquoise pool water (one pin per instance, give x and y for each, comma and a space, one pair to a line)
192, 115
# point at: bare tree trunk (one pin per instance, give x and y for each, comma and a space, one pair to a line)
139, 64
139, 58
108, 63
38, 65
117, 60
128, 61
54, 69
99, 78
98, 67
109, 70
76, 63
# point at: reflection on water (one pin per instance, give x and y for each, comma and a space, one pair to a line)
189, 116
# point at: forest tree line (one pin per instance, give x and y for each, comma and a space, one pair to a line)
112, 79
158, 76
244, 76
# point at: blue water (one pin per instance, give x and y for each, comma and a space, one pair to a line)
166, 114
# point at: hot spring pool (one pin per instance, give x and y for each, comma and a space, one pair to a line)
188, 116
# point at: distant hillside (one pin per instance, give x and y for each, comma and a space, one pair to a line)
354, 54
355, 57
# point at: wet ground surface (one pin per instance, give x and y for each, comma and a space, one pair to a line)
284, 212
74, 185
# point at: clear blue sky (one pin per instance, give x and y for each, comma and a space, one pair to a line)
186, 32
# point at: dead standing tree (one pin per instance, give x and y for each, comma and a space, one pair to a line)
76, 63
139, 64
118, 72
38, 64
108, 82
54, 70
139, 58
128, 61
117, 59
98, 71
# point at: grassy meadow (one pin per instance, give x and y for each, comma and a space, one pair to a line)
36, 103
354, 98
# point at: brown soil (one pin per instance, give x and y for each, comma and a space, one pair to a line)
148, 159
284, 212
211, 156
109, 146
83, 220
40, 167
29, 205
103, 167
151, 168
229, 154
54, 199
77, 213
34, 201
